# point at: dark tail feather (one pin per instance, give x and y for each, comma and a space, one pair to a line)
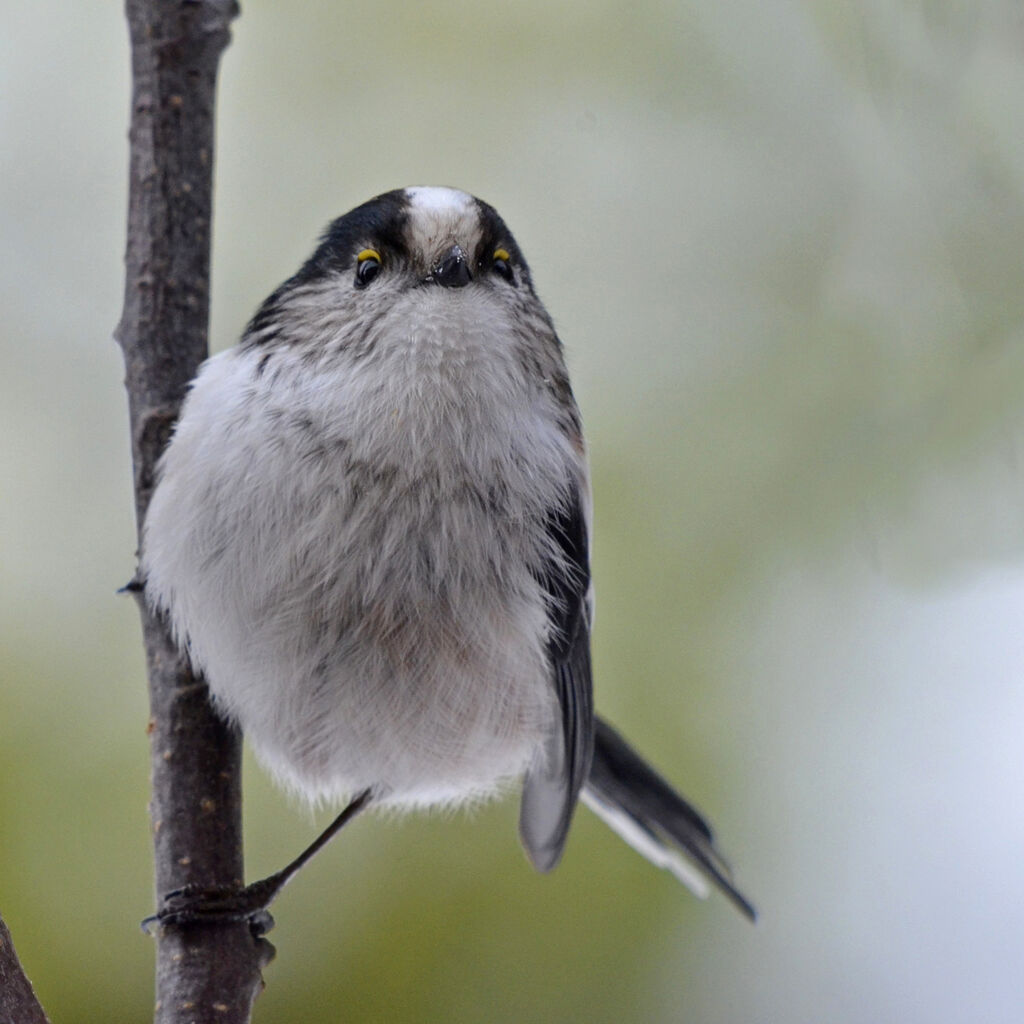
632, 798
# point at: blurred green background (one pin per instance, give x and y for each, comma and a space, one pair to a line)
784, 246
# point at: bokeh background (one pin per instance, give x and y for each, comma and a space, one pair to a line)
784, 245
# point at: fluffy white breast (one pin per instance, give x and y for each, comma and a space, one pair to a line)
351, 550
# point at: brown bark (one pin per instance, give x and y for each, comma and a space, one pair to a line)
18, 1003
212, 972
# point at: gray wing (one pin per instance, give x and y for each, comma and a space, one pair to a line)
552, 786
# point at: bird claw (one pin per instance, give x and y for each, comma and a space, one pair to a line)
196, 904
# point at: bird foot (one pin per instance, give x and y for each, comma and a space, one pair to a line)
196, 905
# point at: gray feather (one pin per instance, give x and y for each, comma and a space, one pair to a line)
552, 786
645, 810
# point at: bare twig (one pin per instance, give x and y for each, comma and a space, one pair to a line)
18, 1003
210, 973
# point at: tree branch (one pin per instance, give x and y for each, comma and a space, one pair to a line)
18, 1003
210, 973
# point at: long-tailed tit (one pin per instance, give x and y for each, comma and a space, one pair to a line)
371, 535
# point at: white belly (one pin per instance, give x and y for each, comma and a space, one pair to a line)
357, 579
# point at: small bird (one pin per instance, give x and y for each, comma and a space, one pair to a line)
371, 536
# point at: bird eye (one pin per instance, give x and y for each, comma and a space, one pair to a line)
367, 267
502, 264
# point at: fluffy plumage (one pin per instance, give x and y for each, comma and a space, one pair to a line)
370, 531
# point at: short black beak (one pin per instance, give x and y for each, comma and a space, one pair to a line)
453, 269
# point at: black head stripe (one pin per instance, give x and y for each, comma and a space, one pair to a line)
494, 233
378, 222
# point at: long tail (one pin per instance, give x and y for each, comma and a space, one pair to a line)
634, 800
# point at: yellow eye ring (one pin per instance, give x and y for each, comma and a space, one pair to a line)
367, 266
502, 264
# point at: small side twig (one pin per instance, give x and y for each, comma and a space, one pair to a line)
18, 1003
